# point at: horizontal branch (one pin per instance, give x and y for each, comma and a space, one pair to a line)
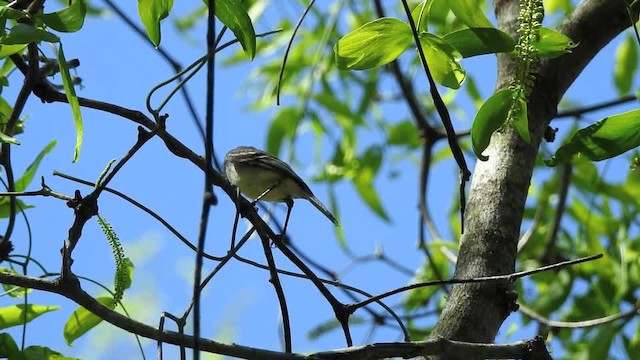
578, 112
579, 324
71, 289
482, 279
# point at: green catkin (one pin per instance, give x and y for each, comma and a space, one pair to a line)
530, 18
121, 276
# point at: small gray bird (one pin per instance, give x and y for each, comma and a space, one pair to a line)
262, 176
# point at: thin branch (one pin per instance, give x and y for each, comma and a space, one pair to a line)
578, 112
579, 324
286, 52
565, 181
458, 155
145, 209
208, 197
282, 300
348, 290
509, 277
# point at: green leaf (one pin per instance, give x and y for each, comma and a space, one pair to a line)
36, 352
443, 60
69, 19
72, 98
518, 116
6, 67
151, 12
331, 103
12, 290
491, 116
339, 230
8, 346
21, 314
552, 44
403, 133
5, 206
420, 15
551, 6
82, 320
23, 182
556, 287
7, 13
363, 181
470, 13
473, 92
7, 50
372, 158
376, 43
601, 343
478, 41
25, 34
233, 15
282, 127
626, 65
329, 325
605, 139
8, 139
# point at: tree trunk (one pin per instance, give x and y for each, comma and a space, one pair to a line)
475, 312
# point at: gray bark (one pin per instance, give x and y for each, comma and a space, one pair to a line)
475, 312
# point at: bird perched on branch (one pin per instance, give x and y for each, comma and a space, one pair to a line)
262, 176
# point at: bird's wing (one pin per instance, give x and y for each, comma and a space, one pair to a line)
268, 161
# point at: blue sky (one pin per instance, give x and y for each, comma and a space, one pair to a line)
240, 305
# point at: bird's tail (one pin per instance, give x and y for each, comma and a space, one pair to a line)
314, 200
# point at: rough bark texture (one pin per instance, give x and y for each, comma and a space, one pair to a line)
499, 186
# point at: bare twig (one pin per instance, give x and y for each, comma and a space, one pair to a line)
578, 112
565, 181
579, 324
509, 277
289, 44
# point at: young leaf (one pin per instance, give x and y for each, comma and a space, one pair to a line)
363, 182
626, 65
151, 13
24, 34
470, 13
605, 139
491, 116
518, 115
72, 98
5, 207
69, 19
283, 126
8, 139
81, 320
376, 43
12, 290
27, 177
21, 314
420, 15
42, 352
479, 41
403, 133
443, 60
232, 14
552, 44
7, 13
7, 50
